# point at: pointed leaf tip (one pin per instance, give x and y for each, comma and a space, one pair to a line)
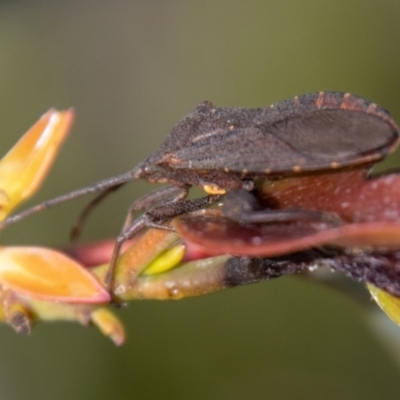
388, 303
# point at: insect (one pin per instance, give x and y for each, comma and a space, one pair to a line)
221, 149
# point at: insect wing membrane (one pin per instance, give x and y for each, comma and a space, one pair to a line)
336, 134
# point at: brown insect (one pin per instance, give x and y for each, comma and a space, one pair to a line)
220, 149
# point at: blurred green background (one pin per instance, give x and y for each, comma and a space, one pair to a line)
132, 69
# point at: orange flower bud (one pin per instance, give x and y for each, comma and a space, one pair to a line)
24, 167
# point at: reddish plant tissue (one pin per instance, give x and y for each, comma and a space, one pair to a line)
369, 210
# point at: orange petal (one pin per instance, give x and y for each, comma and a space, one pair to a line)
48, 275
24, 167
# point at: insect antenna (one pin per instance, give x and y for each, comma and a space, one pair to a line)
106, 186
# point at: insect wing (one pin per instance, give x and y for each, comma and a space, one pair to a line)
317, 140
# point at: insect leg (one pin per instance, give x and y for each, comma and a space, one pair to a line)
84, 214
155, 218
171, 210
144, 202
166, 195
244, 208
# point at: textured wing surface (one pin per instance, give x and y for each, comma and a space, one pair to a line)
316, 140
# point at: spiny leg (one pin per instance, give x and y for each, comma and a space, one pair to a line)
167, 194
243, 207
155, 218
144, 202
